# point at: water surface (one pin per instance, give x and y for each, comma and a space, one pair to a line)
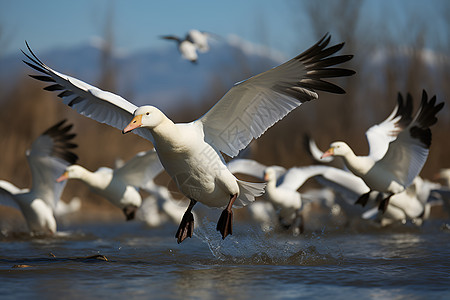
145, 263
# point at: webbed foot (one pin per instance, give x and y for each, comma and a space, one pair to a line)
186, 228
225, 223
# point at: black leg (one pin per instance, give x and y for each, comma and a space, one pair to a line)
363, 199
225, 223
186, 228
384, 203
301, 226
129, 211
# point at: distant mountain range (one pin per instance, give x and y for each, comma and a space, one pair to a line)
162, 78
156, 76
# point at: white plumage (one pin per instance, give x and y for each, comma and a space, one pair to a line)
186, 47
191, 152
282, 186
48, 156
379, 135
404, 159
120, 186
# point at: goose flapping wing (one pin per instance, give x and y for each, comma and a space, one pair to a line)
314, 151
90, 101
7, 192
171, 37
140, 169
408, 153
380, 135
250, 107
295, 177
343, 182
252, 168
48, 157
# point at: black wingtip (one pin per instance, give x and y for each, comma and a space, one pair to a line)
426, 117
63, 141
32, 53
318, 61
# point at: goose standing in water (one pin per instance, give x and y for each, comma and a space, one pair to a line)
403, 160
49, 155
191, 152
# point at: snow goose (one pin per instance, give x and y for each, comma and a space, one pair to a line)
412, 204
404, 206
120, 186
156, 210
186, 47
402, 162
191, 152
199, 39
379, 135
282, 187
48, 157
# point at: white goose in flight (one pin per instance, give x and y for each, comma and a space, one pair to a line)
186, 47
199, 39
49, 155
120, 186
191, 152
402, 162
379, 135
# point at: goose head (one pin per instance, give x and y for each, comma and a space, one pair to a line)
337, 149
270, 174
145, 116
73, 171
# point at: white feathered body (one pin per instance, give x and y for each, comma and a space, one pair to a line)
37, 213
376, 178
196, 167
112, 188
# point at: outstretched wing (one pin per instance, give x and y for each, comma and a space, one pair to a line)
380, 135
141, 169
314, 150
250, 107
409, 152
7, 192
295, 177
343, 182
247, 167
90, 101
171, 37
49, 156
252, 168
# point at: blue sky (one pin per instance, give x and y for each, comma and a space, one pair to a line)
47, 24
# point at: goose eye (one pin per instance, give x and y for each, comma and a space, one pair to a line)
147, 113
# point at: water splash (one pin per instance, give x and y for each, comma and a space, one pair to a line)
253, 246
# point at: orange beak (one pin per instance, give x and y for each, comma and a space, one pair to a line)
135, 123
266, 177
329, 152
63, 177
